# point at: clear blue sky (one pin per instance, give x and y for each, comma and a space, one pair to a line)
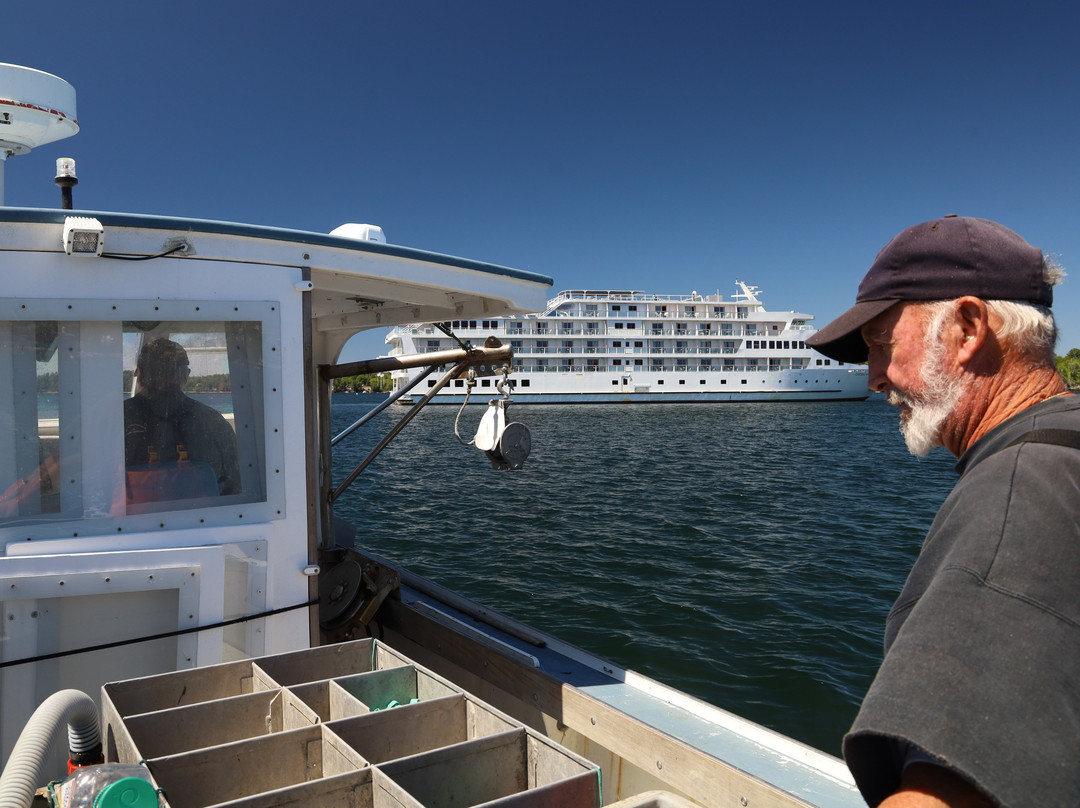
667, 147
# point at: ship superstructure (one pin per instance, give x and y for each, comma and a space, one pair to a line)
597, 346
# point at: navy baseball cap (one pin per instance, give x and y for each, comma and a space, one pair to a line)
938, 260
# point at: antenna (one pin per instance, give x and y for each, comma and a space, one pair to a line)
35, 108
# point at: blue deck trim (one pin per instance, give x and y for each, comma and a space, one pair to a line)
178, 224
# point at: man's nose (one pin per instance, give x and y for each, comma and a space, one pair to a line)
876, 379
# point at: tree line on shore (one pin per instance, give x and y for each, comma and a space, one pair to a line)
1069, 367
364, 383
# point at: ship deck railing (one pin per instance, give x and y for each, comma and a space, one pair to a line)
552, 333
531, 368
688, 350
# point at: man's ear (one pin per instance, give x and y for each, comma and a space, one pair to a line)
973, 327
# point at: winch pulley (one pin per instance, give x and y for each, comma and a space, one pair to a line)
507, 445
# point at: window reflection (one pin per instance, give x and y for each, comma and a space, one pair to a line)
100, 420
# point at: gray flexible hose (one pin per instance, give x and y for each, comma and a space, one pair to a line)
71, 707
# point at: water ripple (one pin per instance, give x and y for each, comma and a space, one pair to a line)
747, 554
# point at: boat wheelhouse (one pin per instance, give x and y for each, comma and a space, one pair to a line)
597, 346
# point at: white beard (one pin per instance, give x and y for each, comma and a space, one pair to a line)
921, 425
927, 411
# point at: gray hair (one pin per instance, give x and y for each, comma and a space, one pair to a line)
1027, 328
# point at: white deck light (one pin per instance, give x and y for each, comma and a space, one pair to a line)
83, 236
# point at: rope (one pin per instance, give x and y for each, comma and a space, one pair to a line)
163, 635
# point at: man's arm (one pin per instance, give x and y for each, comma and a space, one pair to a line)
928, 786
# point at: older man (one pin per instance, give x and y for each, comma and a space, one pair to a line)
977, 701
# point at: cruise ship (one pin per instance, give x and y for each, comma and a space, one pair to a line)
607, 346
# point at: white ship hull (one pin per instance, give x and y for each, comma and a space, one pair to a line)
611, 388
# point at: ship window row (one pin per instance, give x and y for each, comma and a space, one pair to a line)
636, 346
578, 350
617, 382
776, 345
689, 312
681, 366
512, 383
493, 324
525, 382
518, 329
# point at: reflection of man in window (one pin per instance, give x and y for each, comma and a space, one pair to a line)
175, 447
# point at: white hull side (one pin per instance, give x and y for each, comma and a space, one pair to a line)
848, 384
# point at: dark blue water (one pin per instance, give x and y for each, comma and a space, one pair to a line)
744, 553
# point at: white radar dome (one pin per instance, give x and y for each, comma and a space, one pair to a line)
35, 108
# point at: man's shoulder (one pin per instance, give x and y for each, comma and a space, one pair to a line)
1045, 423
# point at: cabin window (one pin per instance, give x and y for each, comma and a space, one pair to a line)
171, 411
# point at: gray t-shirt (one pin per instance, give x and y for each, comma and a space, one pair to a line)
982, 648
